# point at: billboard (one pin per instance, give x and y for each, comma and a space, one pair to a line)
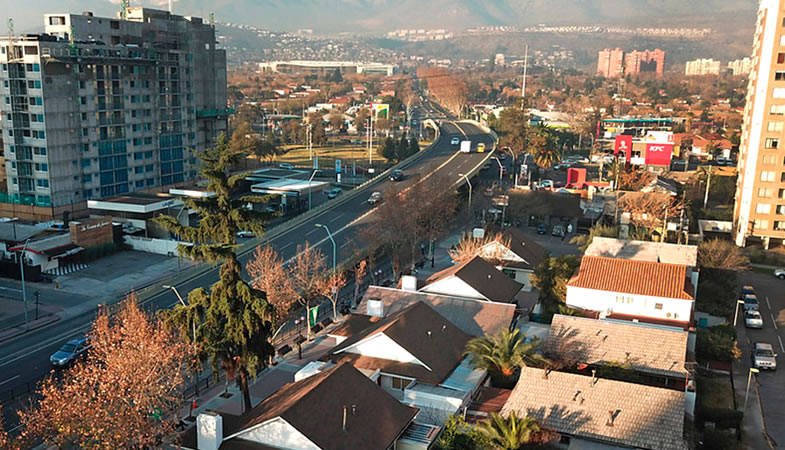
623, 144
659, 137
380, 110
659, 154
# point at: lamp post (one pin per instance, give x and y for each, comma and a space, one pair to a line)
309, 187
501, 168
470, 191
22, 273
747, 392
37, 294
736, 314
329, 235
193, 330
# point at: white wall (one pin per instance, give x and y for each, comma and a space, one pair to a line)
278, 433
521, 276
641, 305
381, 346
150, 245
455, 287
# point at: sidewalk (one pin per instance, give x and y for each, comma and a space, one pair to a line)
753, 425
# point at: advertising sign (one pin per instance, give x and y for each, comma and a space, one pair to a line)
380, 110
337, 166
659, 137
659, 154
623, 144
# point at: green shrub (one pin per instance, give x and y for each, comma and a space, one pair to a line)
720, 440
717, 343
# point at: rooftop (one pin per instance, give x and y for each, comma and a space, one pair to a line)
644, 251
490, 282
135, 203
615, 412
525, 248
633, 277
596, 342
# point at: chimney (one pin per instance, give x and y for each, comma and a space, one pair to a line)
343, 427
575, 396
545, 373
209, 431
375, 307
593, 377
444, 328
612, 416
429, 333
409, 283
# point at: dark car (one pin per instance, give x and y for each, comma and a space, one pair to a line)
396, 175
541, 229
335, 192
70, 352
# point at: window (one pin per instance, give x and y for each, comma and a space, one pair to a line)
42, 183
772, 143
779, 225
768, 176
777, 110
778, 93
780, 58
780, 210
400, 383
769, 160
40, 151
779, 75
765, 192
658, 306
763, 208
761, 224
41, 167
774, 126
138, 170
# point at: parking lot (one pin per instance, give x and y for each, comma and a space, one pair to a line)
772, 383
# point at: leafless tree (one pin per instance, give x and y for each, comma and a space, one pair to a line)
269, 275
469, 247
307, 272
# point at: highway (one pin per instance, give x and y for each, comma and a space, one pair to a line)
25, 359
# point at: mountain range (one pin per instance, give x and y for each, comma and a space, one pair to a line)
386, 15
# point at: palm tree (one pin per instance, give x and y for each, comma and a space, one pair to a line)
544, 147
508, 433
503, 353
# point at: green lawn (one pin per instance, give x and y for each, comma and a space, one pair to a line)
299, 155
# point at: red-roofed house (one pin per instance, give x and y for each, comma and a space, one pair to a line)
340, 101
646, 291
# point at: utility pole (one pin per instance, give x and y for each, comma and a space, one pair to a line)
708, 185
525, 68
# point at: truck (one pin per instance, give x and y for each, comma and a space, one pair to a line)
466, 146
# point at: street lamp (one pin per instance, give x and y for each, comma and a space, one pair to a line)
747, 393
330, 235
182, 302
736, 314
470, 191
22, 272
309, 187
501, 168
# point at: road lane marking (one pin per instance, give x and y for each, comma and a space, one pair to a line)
781, 346
285, 246
9, 380
773, 320
311, 232
767, 302
10, 289
346, 243
335, 218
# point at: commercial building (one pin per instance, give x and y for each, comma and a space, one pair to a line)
740, 66
325, 67
96, 107
610, 63
702, 66
759, 212
646, 61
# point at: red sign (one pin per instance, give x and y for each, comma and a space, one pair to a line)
659, 154
623, 144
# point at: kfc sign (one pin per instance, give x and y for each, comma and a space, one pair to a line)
623, 144
659, 154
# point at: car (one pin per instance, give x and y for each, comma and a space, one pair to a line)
558, 230
488, 192
503, 156
541, 229
779, 273
751, 302
375, 198
480, 148
753, 319
455, 141
70, 352
485, 166
245, 234
746, 290
763, 356
335, 192
396, 175
286, 166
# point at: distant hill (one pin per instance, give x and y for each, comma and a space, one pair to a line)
385, 15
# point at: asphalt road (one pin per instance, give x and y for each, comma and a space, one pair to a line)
25, 359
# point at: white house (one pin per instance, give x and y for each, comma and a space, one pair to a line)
642, 291
515, 255
476, 279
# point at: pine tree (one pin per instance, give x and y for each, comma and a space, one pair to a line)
233, 320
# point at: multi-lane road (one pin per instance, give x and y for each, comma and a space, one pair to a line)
25, 359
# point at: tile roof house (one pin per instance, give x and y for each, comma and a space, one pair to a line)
607, 412
518, 259
633, 290
595, 342
338, 408
473, 317
473, 279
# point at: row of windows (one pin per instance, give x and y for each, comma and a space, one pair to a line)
28, 67
763, 224
31, 84
35, 118
35, 134
765, 208
33, 101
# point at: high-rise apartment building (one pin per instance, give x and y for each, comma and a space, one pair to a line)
96, 106
759, 211
740, 66
610, 63
646, 61
702, 67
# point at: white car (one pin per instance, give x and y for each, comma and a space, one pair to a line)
455, 141
763, 356
245, 234
779, 273
285, 166
753, 319
375, 198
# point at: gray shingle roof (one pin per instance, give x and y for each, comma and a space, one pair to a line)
647, 348
644, 417
486, 279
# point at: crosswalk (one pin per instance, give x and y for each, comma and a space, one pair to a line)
65, 270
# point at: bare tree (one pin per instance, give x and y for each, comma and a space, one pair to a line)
359, 273
126, 394
308, 271
269, 275
330, 287
5, 441
649, 210
469, 247
721, 254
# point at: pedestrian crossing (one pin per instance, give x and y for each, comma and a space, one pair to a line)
65, 270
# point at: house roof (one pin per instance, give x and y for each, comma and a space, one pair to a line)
419, 330
547, 204
483, 277
525, 248
633, 277
596, 342
353, 324
375, 418
473, 317
644, 251
12, 231
644, 417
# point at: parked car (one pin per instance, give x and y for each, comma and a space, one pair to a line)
396, 175
286, 166
455, 141
753, 319
558, 230
335, 192
245, 234
541, 229
746, 290
779, 273
751, 302
375, 198
70, 352
763, 356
